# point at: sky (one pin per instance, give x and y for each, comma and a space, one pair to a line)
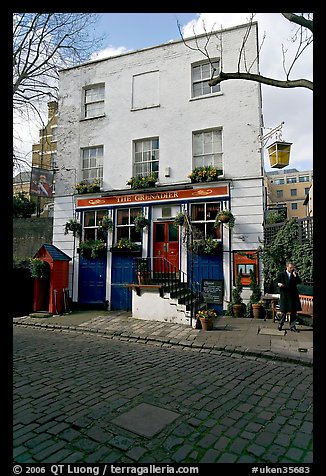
293, 106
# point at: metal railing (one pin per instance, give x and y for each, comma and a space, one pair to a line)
159, 271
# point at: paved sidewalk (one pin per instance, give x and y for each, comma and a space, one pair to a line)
250, 337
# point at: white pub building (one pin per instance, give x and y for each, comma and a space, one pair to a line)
162, 144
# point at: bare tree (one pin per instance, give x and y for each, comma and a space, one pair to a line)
43, 43
303, 37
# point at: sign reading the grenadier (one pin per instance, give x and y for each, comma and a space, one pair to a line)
146, 197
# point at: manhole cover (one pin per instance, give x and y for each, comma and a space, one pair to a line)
145, 419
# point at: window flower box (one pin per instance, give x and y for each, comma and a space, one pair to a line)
204, 174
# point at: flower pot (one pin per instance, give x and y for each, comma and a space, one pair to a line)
256, 310
224, 218
237, 310
206, 323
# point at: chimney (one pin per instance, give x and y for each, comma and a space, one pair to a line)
52, 108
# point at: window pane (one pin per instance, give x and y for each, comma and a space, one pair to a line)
211, 211
100, 214
173, 232
89, 219
135, 235
123, 217
198, 230
160, 232
133, 213
89, 234
122, 232
212, 231
197, 212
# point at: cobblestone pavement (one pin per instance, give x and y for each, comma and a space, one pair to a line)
254, 337
210, 407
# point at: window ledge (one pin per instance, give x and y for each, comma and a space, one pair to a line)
93, 117
205, 96
145, 107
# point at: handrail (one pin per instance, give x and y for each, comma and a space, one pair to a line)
158, 270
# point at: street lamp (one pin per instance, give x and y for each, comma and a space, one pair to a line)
278, 151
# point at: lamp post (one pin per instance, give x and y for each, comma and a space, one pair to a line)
278, 151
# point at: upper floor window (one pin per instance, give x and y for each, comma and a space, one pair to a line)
306, 190
279, 182
279, 193
207, 149
304, 178
146, 157
203, 218
125, 224
291, 180
54, 131
201, 74
93, 101
293, 192
294, 206
92, 163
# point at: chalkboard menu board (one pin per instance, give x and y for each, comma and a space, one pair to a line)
213, 291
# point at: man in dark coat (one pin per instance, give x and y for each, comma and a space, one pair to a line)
287, 281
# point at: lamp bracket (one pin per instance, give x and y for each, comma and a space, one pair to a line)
276, 130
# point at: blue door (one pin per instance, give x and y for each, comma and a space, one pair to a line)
92, 279
122, 273
206, 267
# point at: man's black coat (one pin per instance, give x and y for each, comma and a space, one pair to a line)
289, 295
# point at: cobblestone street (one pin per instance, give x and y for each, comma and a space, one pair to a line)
72, 390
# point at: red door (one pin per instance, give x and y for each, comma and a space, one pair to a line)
166, 244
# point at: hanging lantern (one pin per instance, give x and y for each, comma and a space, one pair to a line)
279, 154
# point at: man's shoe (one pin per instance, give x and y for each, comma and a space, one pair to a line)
294, 329
280, 327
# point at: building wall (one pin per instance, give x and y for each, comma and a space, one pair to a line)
173, 116
287, 199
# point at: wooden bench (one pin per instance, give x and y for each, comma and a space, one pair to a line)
307, 309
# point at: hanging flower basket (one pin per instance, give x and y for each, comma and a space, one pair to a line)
140, 222
226, 217
106, 224
179, 219
74, 226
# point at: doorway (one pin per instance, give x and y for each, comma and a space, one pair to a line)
166, 244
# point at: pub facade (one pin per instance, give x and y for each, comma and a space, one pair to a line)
144, 141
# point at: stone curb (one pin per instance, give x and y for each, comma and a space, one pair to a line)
163, 341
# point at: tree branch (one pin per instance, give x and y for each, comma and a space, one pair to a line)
297, 83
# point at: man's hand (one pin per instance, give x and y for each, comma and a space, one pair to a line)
280, 285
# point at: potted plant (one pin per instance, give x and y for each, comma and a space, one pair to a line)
88, 187
204, 174
236, 303
255, 303
125, 245
140, 181
38, 268
140, 222
143, 271
92, 248
74, 226
180, 219
225, 216
106, 223
206, 317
